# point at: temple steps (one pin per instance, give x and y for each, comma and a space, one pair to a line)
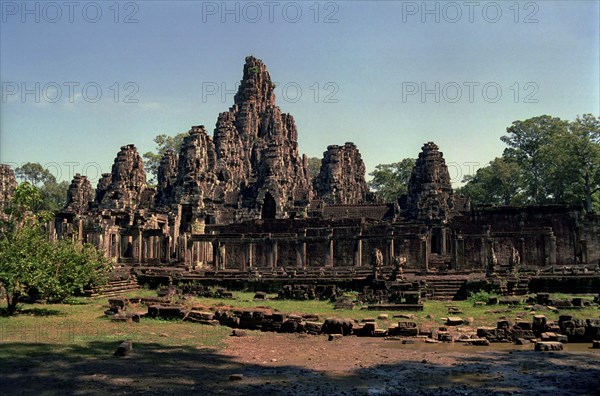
445, 289
113, 288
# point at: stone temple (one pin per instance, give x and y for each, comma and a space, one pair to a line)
242, 202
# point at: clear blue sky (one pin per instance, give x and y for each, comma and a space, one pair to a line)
358, 78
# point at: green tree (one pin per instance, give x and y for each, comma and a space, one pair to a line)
30, 264
390, 181
573, 158
314, 166
526, 141
163, 143
54, 193
34, 173
498, 183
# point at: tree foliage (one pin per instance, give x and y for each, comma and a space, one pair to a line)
54, 194
314, 166
390, 181
499, 183
526, 141
163, 144
547, 160
32, 265
35, 174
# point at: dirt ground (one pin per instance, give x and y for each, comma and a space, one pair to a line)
292, 364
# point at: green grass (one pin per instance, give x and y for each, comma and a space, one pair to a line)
80, 327
75, 327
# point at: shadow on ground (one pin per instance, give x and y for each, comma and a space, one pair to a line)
29, 368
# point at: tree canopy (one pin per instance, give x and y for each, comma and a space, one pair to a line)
32, 265
163, 144
54, 194
390, 181
547, 160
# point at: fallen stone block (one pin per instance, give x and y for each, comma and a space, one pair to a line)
236, 377
522, 325
337, 326
238, 333
380, 333
335, 337
510, 301
479, 342
445, 336
504, 324
596, 344
548, 346
524, 334
405, 324
260, 296
118, 303
313, 327
404, 316
124, 349
454, 321
311, 317
289, 326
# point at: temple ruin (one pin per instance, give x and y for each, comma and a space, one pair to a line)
242, 204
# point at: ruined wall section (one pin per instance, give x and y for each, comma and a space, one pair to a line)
341, 180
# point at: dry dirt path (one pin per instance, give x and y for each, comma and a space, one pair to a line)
291, 364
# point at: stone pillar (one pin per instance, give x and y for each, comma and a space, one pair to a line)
151, 247
301, 250
424, 252
584, 250
522, 250
269, 255
250, 255
389, 260
216, 258
275, 254
489, 253
551, 247
459, 253
358, 249
330, 258
443, 246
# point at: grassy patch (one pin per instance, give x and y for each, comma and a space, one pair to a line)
79, 327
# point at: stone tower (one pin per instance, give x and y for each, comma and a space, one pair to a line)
341, 180
430, 196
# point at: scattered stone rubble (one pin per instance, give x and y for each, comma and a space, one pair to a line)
539, 330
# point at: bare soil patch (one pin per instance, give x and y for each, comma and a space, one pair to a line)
292, 364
